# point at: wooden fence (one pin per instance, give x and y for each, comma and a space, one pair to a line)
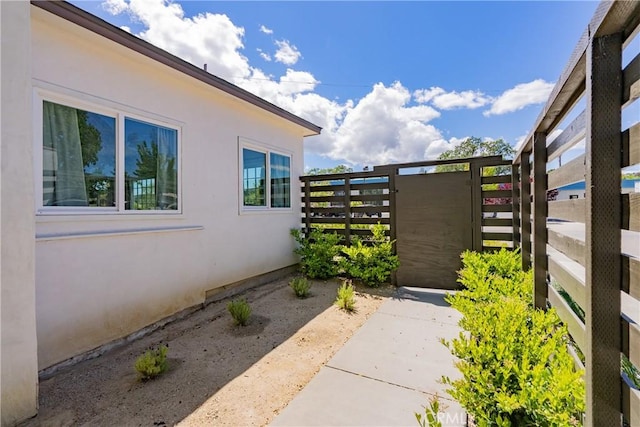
347, 203
585, 252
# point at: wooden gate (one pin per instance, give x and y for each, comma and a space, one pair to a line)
432, 217
433, 226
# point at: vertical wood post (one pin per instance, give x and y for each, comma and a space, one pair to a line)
307, 207
525, 209
540, 220
347, 210
391, 174
603, 223
476, 205
515, 206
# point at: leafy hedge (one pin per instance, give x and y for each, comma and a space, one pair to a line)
516, 369
322, 256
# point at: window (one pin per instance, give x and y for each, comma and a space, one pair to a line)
106, 162
266, 179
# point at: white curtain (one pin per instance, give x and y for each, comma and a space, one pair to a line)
63, 167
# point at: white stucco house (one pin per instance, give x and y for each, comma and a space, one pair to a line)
135, 186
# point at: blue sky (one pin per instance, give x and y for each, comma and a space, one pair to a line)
388, 81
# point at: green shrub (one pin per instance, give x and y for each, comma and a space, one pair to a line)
516, 368
373, 264
318, 253
346, 297
432, 414
300, 286
240, 311
152, 363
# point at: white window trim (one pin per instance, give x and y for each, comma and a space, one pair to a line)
267, 150
119, 114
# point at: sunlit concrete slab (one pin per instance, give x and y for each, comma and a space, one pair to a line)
338, 398
388, 370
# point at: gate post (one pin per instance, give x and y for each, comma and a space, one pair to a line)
476, 205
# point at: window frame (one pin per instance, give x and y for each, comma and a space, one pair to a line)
267, 150
119, 113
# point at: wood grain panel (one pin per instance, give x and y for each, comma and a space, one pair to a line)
433, 220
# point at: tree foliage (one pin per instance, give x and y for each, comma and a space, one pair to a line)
475, 147
326, 171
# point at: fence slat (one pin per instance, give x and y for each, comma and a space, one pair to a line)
567, 274
494, 194
571, 134
570, 246
525, 209
631, 276
497, 222
574, 324
570, 210
631, 146
499, 179
568, 173
630, 78
634, 344
631, 211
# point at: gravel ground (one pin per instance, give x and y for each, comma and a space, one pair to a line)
219, 374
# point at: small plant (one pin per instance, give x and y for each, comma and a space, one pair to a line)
432, 414
318, 252
240, 311
374, 263
346, 297
152, 363
300, 286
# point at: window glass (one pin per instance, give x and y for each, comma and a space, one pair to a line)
151, 174
254, 166
280, 170
78, 157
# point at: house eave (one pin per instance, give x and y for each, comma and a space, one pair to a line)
99, 26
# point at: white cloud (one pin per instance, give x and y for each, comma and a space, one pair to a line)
202, 39
125, 28
287, 53
520, 96
264, 55
265, 30
115, 7
423, 96
444, 100
381, 128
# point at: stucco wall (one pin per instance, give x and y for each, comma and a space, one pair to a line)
18, 369
93, 289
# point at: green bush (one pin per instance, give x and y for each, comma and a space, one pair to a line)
346, 297
240, 311
300, 286
152, 363
515, 365
432, 414
318, 253
373, 264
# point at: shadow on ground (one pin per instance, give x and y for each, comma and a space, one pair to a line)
206, 352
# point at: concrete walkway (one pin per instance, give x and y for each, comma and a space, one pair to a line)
387, 371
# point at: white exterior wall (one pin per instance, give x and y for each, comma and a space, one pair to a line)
93, 289
19, 366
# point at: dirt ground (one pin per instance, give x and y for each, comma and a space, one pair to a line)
219, 374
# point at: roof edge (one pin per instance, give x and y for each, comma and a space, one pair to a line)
101, 27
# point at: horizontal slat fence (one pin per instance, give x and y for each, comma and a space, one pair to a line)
586, 251
347, 204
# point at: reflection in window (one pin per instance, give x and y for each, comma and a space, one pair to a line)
254, 166
280, 169
78, 157
151, 174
